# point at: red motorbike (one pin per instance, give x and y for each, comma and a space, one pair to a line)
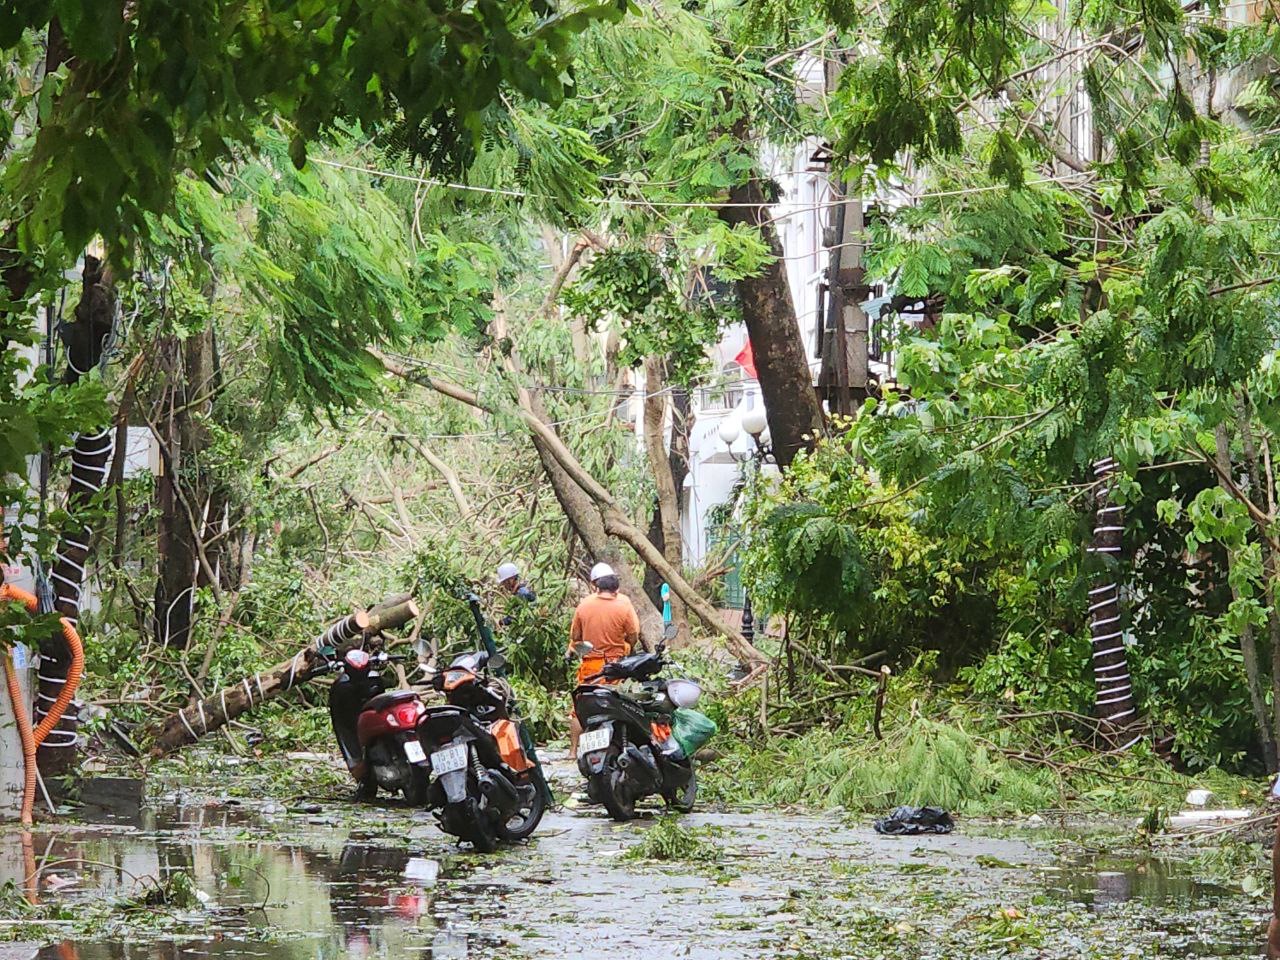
376, 729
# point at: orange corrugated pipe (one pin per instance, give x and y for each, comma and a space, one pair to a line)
31, 739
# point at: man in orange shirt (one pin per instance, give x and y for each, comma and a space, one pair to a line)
608, 622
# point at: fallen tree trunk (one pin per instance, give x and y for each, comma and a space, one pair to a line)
191, 723
616, 522
578, 506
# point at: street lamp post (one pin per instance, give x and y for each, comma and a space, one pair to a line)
755, 423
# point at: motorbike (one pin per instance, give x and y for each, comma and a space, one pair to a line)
626, 751
487, 786
377, 729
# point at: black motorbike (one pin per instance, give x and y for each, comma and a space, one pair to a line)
487, 786
626, 751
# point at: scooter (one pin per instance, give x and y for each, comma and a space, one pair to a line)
486, 786
377, 730
626, 751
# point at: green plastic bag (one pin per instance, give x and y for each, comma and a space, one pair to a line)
691, 729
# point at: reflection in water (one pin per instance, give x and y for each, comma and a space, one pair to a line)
1103, 885
324, 897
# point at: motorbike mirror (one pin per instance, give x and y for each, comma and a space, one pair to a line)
496, 662
583, 647
669, 630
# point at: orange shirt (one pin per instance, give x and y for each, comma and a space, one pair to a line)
605, 622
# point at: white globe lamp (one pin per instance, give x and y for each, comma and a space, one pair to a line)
754, 421
729, 431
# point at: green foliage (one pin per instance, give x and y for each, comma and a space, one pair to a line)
123, 116
849, 558
668, 840
945, 751
532, 636
634, 288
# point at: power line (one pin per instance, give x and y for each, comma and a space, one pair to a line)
667, 204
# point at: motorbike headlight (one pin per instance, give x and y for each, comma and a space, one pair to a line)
683, 693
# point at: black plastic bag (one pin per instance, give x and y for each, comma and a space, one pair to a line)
912, 821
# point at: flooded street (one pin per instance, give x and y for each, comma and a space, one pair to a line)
322, 880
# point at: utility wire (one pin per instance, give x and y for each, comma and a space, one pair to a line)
670, 204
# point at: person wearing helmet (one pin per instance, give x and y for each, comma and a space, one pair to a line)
509, 580
606, 620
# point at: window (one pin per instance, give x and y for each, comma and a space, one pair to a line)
726, 391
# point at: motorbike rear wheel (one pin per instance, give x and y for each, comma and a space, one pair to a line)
596, 787
533, 804
618, 796
419, 783
683, 798
481, 829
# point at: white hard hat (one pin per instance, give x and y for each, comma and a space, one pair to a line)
507, 571
601, 570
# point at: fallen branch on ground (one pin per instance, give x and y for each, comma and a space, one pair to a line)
214, 712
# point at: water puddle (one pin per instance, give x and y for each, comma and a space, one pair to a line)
1102, 883
334, 880
283, 889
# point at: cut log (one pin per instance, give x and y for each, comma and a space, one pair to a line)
388, 618
191, 723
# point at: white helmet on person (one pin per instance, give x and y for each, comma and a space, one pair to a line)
507, 571
601, 570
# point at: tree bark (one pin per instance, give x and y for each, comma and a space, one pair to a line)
1113, 686
85, 340
205, 716
672, 541
790, 400
575, 502
615, 520
681, 421
182, 485
1248, 641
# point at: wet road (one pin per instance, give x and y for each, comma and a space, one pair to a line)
336, 880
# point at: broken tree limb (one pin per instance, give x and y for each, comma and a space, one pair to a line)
214, 712
442, 468
389, 617
616, 521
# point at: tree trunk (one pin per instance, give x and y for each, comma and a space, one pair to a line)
616, 522
205, 716
181, 489
581, 512
672, 542
576, 503
1248, 641
681, 421
85, 340
1113, 686
790, 400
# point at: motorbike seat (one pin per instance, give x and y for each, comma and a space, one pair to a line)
390, 699
638, 666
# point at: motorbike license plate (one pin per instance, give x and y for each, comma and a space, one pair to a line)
593, 740
447, 761
413, 750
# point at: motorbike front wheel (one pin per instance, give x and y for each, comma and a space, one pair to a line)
619, 797
533, 804
367, 789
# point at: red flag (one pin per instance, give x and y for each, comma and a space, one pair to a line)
746, 359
